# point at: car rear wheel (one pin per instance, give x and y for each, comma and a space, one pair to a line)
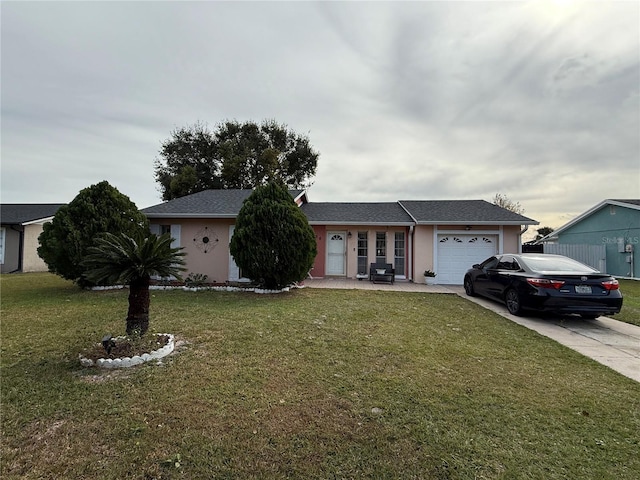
468, 287
512, 299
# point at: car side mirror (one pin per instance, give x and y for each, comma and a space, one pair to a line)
477, 266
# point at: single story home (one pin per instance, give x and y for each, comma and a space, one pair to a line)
607, 237
20, 226
446, 236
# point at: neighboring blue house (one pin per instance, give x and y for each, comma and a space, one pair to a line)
611, 227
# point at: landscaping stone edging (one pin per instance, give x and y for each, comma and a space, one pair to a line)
127, 362
216, 288
221, 288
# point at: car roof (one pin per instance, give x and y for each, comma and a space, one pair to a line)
533, 255
550, 257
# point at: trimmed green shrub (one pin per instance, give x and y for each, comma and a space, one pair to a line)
95, 210
273, 243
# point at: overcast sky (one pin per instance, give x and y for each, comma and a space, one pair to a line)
423, 100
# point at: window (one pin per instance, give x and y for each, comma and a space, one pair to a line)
452, 239
363, 253
165, 229
399, 253
507, 263
381, 247
2, 239
489, 263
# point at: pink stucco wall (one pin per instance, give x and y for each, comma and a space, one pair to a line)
319, 264
212, 258
512, 242
420, 246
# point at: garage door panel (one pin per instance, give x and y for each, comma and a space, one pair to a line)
457, 253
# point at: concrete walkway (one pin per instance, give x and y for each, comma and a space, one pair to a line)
607, 341
349, 284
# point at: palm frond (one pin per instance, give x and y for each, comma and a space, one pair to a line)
123, 259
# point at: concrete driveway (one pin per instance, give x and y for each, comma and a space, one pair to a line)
607, 341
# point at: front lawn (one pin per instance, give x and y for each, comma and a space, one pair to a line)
630, 312
308, 384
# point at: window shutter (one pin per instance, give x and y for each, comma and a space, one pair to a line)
175, 234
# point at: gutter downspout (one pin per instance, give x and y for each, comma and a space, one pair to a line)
522, 232
411, 266
411, 242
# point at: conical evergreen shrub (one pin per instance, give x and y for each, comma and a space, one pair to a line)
273, 243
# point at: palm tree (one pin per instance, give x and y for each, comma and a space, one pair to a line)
121, 259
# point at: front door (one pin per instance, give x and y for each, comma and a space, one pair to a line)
336, 253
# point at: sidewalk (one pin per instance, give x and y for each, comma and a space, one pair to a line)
351, 284
607, 341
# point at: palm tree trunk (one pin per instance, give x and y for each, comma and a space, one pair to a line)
138, 314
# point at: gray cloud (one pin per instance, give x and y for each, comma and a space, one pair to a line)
409, 100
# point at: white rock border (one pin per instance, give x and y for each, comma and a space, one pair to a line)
217, 288
127, 362
223, 288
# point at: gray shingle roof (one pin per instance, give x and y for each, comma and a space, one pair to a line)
19, 213
356, 213
227, 204
205, 204
462, 212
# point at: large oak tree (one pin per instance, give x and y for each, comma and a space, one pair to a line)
233, 155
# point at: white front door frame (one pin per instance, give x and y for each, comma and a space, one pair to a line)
336, 260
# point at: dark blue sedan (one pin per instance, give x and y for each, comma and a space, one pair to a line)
551, 283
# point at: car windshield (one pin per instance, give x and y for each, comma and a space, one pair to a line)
556, 264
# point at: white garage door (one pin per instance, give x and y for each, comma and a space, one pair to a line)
456, 254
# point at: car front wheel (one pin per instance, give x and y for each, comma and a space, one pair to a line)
468, 287
512, 299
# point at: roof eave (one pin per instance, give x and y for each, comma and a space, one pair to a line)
347, 222
38, 220
475, 222
300, 196
548, 238
633, 206
191, 215
588, 213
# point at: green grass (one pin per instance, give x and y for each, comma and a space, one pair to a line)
630, 312
309, 384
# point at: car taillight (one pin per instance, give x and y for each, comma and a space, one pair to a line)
545, 283
611, 284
